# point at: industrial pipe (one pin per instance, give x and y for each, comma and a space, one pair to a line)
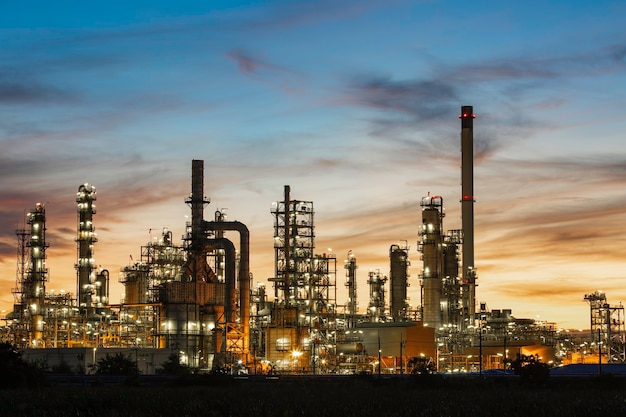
244, 272
229, 273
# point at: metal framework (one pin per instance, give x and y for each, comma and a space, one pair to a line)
607, 327
294, 243
451, 304
304, 317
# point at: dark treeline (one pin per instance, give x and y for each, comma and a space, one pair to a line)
362, 396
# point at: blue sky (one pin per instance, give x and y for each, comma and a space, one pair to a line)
354, 104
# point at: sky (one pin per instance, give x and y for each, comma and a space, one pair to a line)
354, 104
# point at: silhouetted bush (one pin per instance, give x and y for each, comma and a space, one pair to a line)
530, 368
15, 372
118, 364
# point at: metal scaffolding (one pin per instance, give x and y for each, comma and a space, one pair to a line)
304, 314
607, 327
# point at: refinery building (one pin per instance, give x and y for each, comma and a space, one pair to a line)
194, 298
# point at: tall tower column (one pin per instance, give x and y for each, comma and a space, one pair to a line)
35, 282
432, 256
398, 281
86, 238
197, 268
351, 267
467, 212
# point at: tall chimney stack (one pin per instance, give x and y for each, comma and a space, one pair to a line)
467, 213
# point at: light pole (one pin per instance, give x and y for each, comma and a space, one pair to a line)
401, 346
599, 354
480, 350
379, 352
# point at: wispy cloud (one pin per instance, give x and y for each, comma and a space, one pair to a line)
267, 73
403, 108
421, 99
245, 61
19, 92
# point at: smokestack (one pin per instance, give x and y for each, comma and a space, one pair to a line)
196, 268
467, 213
197, 201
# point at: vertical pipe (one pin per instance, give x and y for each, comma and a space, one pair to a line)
244, 272
229, 273
467, 211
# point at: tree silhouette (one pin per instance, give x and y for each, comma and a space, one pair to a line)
15, 371
530, 368
117, 364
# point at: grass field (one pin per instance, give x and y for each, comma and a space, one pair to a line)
345, 397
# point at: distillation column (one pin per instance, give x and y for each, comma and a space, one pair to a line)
36, 276
432, 256
376, 282
398, 281
351, 267
86, 238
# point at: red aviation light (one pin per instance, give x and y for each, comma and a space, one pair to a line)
468, 198
467, 115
